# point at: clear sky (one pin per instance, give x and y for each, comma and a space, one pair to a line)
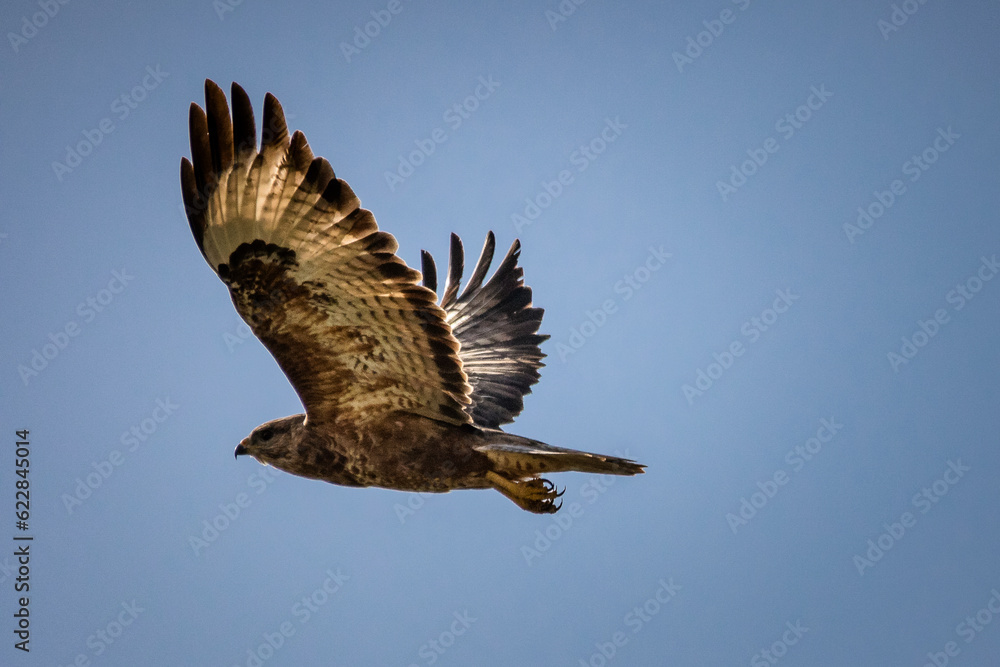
765, 237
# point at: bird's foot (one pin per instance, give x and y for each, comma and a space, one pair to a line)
534, 494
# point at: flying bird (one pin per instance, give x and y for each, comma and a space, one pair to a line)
401, 390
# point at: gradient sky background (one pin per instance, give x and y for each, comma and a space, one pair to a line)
172, 335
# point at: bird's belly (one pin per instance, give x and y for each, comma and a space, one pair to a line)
411, 455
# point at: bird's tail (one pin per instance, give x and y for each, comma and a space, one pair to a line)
516, 457
518, 462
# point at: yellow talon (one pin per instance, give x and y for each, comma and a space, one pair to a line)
534, 494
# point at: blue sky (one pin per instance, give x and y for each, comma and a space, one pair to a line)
765, 237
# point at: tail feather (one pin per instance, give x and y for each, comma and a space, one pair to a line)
518, 457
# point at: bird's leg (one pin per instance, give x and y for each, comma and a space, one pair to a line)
535, 494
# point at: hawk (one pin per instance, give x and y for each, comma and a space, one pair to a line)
401, 390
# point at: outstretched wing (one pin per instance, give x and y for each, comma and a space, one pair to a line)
497, 329
312, 275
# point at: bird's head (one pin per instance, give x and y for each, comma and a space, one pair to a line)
275, 441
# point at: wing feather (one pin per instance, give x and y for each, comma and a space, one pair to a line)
456, 264
497, 328
311, 273
428, 270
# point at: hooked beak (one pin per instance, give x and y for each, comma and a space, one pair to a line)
241, 448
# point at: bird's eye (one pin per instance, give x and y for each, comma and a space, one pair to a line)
266, 435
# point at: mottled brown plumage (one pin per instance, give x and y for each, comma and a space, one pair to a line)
399, 391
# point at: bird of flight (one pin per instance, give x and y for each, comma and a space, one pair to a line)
401, 390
